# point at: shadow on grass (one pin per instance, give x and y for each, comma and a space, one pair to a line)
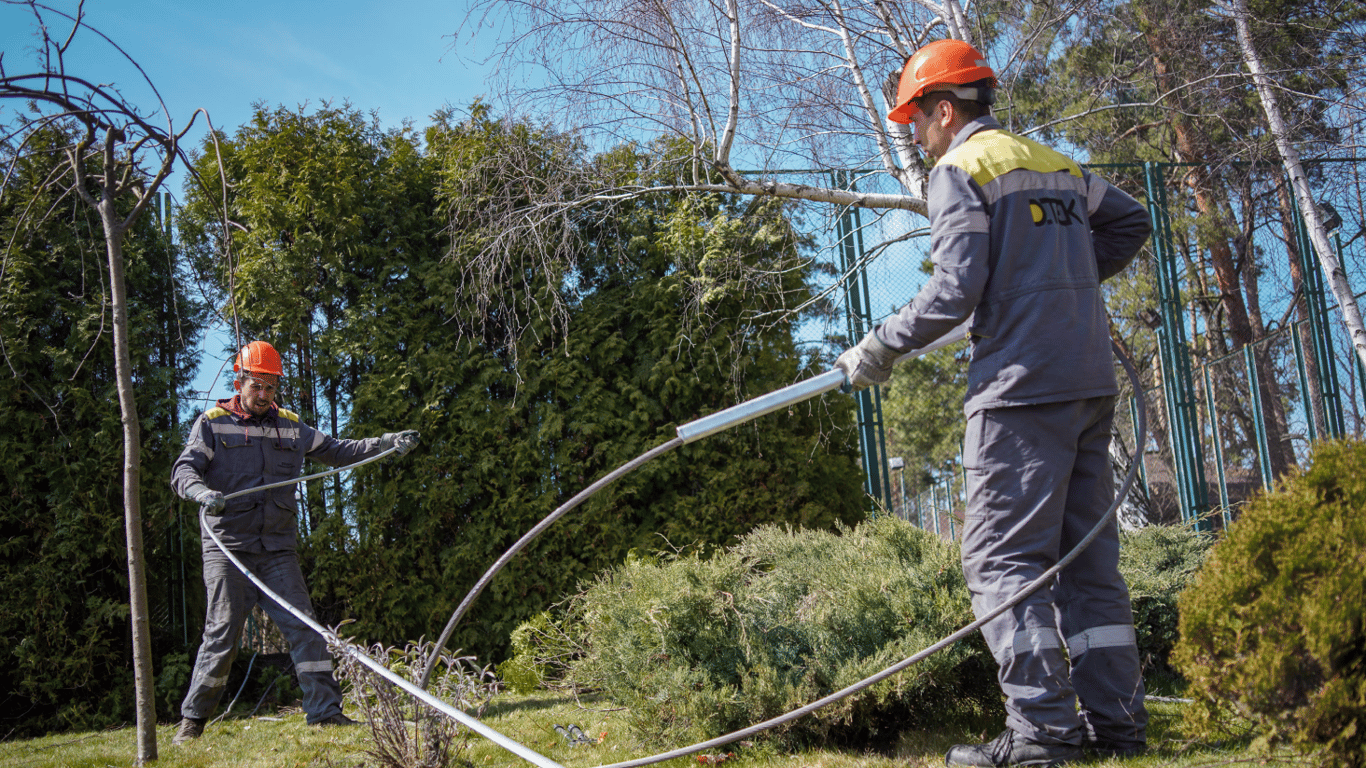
510, 703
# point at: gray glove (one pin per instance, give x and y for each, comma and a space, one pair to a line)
211, 499
404, 441
867, 363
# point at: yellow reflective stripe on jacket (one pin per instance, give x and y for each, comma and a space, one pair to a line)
993, 153
253, 430
216, 412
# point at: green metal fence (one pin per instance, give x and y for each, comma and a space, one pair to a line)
1232, 407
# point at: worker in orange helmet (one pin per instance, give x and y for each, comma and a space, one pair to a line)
242, 442
1020, 238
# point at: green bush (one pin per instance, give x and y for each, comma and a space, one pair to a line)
1273, 630
526, 670
172, 681
1158, 562
697, 647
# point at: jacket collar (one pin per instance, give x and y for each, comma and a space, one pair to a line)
983, 123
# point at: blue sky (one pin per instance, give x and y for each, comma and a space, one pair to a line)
396, 57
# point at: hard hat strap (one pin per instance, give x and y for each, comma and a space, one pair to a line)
981, 95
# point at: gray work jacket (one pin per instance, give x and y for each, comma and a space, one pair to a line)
229, 453
1020, 238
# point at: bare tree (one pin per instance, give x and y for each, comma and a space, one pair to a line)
115, 166
711, 88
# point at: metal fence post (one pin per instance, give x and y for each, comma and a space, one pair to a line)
1178, 391
1315, 300
1216, 440
1140, 451
872, 439
1302, 369
1254, 386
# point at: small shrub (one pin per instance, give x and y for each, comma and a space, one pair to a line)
406, 734
700, 646
1274, 627
534, 655
1158, 562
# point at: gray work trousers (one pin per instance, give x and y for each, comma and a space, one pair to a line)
1038, 480
231, 597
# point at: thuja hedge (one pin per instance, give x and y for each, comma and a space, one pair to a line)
700, 646
1273, 629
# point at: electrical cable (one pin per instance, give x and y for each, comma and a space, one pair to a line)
306, 478
332, 638
687, 433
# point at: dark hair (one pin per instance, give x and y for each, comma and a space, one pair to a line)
970, 109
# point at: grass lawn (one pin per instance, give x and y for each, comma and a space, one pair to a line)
285, 740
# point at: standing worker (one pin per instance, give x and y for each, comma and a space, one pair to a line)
244, 442
1020, 238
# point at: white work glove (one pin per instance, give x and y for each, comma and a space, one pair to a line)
211, 499
404, 440
867, 363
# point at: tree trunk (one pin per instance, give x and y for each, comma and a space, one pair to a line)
143, 681
1299, 182
1241, 331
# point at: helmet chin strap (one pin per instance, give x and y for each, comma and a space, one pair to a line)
981, 95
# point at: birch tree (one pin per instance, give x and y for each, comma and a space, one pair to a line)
1267, 93
713, 88
116, 166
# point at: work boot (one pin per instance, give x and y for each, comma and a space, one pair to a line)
1011, 748
337, 719
190, 728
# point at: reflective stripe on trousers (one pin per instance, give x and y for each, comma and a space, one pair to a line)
1039, 479
231, 596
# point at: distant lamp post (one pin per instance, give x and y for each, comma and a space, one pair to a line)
1150, 318
1332, 220
897, 463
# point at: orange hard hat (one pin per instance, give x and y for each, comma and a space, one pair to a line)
258, 357
945, 63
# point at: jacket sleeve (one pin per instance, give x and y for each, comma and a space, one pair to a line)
187, 474
334, 452
1120, 225
960, 249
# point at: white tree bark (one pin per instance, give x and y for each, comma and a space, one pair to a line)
1299, 181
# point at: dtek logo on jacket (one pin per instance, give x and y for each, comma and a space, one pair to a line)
1052, 210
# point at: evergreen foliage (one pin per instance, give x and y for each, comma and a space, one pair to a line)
1273, 629
1158, 562
923, 408
700, 646
655, 337
65, 661
518, 408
